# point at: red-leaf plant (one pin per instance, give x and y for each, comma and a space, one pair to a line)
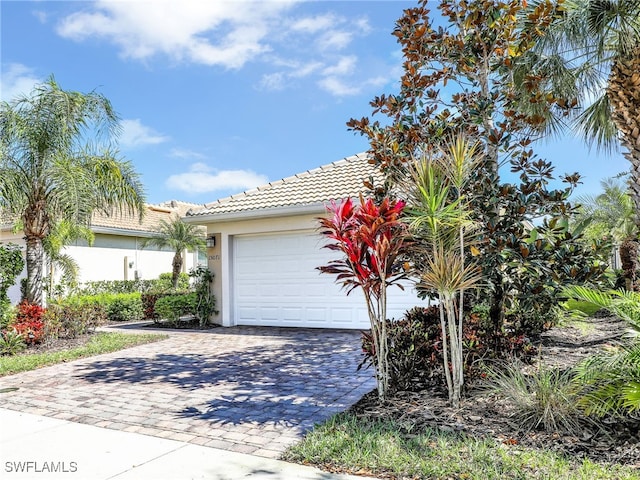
373, 240
28, 322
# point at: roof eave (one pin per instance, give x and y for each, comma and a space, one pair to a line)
122, 231
286, 211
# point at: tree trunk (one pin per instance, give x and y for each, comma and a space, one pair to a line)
177, 266
629, 260
35, 263
496, 315
623, 91
36, 226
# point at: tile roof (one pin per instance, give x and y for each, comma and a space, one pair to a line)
126, 221
335, 181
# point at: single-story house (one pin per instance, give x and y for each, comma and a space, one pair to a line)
117, 253
264, 247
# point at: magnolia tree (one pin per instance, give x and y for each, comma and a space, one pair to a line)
372, 239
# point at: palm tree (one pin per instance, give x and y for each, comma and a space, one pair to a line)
593, 52
62, 233
51, 171
612, 213
178, 236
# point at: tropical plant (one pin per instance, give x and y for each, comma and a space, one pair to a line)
11, 265
178, 236
11, 342
63, 233
593, 48
28, 322
205, 301
623, 304
50, 171
612, 214
372, 240
609, 382
440, 225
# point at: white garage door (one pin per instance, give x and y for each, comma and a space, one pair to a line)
276, 284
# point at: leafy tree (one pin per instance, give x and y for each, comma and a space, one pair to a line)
466, 78
178, 236
51, 171
372, 240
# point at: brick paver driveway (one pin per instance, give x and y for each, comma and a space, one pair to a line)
250, 390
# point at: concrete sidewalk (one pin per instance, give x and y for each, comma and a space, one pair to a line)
36, 447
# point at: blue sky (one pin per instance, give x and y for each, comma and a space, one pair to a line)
219, 97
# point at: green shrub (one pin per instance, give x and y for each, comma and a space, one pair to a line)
7, 312
415, 348
126, 307
156, 285
205, 301
11, 342
165, 283
172, 307
69, 320
118, 307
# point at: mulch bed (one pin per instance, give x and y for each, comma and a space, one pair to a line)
483, 415
182, 324
57, 345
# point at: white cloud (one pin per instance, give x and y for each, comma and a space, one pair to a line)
135, 134
273, 81
335, 40
277, 81
186, 154
41, 15
227, 34
315, 24
16, 79
338, 87
203, 179
344, 66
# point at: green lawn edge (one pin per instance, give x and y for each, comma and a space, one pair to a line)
101, 342
364, 446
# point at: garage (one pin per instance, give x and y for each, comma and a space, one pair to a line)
263, 247
275, 283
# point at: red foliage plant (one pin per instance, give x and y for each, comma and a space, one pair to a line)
372, 240
28, 322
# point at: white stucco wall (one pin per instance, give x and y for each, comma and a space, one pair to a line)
106, 260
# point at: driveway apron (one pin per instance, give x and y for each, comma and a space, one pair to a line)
244, 389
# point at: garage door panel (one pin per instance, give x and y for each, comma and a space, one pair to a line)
276, 282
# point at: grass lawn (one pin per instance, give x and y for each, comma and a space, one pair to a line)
101, 342
387, 449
